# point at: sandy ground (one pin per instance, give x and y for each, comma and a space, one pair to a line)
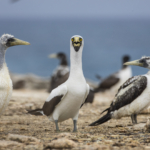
115, 134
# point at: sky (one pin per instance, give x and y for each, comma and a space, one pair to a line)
105, 34
74, 9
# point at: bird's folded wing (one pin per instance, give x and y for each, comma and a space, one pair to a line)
128, 92
107, 83
54, 98
86, 94
127, 83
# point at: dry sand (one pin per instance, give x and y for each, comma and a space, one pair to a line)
114, 135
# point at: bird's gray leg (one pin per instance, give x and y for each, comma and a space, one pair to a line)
75, 125
56, 124
134, 118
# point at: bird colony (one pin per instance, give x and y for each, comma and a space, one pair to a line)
71, 97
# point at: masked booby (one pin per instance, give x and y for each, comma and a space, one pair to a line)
6, 41
65, 101
61, 73
132, 97
114, 81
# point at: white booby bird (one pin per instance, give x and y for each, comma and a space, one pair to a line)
132, 97
114, 81
61, 73
6, 41
65, 101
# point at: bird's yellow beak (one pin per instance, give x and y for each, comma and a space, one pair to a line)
134, 63
52, 56
16, 41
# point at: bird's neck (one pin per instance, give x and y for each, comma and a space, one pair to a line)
123, 66
2, 56
64, 62
76, 63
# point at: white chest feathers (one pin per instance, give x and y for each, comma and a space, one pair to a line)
5, 88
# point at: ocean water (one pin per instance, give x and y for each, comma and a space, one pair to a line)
106, 41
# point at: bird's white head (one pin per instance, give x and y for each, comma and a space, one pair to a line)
143, 62
76, 48
8, 40
77, 43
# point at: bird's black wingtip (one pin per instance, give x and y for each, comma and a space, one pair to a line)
36, 112
101, 120
92, 124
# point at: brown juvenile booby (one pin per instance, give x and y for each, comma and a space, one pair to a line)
61, 73
115, 80
65, 101
132, 97
6, 41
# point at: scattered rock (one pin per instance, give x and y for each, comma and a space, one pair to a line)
29, 81
96, 146
138, 127
119, 125
10, 145
147, 148
61, 143
29, 106
32, 81
108, 141
111, 126
33, 147
104, 147
115, 136
128, 140
22, 138
95, 138
63, 135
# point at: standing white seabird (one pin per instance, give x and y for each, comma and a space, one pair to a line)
6, 41
115, 80
61, 73
65, 101
132, 97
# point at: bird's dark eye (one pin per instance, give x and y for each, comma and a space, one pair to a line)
72, 39
142, 61
10, 40
80, 40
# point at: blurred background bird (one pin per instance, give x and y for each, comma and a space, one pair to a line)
61, 73
115, 80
